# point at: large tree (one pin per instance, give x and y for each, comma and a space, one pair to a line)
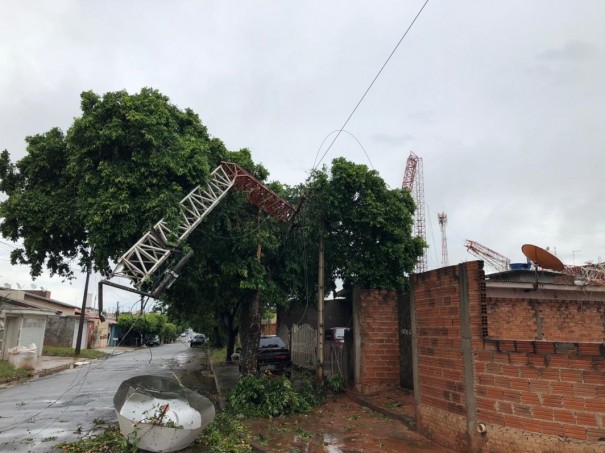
88, 194
237, 270
367, 227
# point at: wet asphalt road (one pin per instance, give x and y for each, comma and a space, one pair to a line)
42, 412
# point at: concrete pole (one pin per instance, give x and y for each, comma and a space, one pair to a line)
82, 313
320, 309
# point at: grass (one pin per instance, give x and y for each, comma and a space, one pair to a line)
9, 372
218, 355
71, 352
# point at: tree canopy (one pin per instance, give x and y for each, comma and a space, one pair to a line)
88, 194
367, 226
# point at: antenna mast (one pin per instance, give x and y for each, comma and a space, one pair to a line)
442, 224
413, 181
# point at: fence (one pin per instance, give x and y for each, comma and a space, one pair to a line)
303, 347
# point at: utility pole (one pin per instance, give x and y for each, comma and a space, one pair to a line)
82, 313
320, 308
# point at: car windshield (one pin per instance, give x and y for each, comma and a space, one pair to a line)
271, 342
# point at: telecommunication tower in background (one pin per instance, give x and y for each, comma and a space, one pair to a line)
413, 180
442, 224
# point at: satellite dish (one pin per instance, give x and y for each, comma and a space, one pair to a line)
542, 258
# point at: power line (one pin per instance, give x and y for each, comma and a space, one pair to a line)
371, 84
358, 142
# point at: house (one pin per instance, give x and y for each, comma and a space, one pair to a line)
21, 324
62, 328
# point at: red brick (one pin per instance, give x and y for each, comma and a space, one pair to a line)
534, 426
502, 382
574, 404
570, 375
530, 372
538, 386
593, 377
581, 363
597, 406
586, 419
557, 361
544, 347
565, 416
595, 435
511, 395
511, 421
590, 349
530, 398
584, 391
543, 413
504, 408
561, 388
549, 374
552, 401
574, 432
552, 429
525, 346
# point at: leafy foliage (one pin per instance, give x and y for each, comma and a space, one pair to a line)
90, 193
334, 384
148, 324
367, 226
268, 395
226, 434
110, 441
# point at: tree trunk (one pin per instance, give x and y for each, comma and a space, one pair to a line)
250, 333
232, 330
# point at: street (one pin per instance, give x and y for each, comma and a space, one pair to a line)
42, 412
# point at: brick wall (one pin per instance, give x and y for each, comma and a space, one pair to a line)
377, 341
549, 394
527, 318
531, 395
442, 406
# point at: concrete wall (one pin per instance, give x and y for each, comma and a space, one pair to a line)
527, 366
60, 331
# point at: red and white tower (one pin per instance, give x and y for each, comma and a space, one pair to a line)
413, 180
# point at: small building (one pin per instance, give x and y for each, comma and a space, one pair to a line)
22, 324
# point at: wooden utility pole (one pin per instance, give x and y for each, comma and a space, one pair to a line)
320, 308
82, 313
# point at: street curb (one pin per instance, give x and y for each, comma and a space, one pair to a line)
50, 371
221, 399
407, 420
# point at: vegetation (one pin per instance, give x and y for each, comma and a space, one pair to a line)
128, 158
266, 395
131, 158
110, 441
9, 372
147, 325
71, 352
226, 434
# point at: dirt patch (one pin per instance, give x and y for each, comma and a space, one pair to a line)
340, 425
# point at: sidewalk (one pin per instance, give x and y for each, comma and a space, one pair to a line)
47, 365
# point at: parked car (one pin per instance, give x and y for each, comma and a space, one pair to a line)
273, 355
152, 340
336, 334
198, 340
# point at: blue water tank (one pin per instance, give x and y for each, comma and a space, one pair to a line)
517, 266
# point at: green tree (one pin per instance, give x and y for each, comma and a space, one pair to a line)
89, 194
367, 227
228, 278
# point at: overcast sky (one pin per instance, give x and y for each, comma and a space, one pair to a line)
504, 101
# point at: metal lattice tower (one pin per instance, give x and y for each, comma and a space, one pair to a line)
442, 224
145, 258
413, 180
